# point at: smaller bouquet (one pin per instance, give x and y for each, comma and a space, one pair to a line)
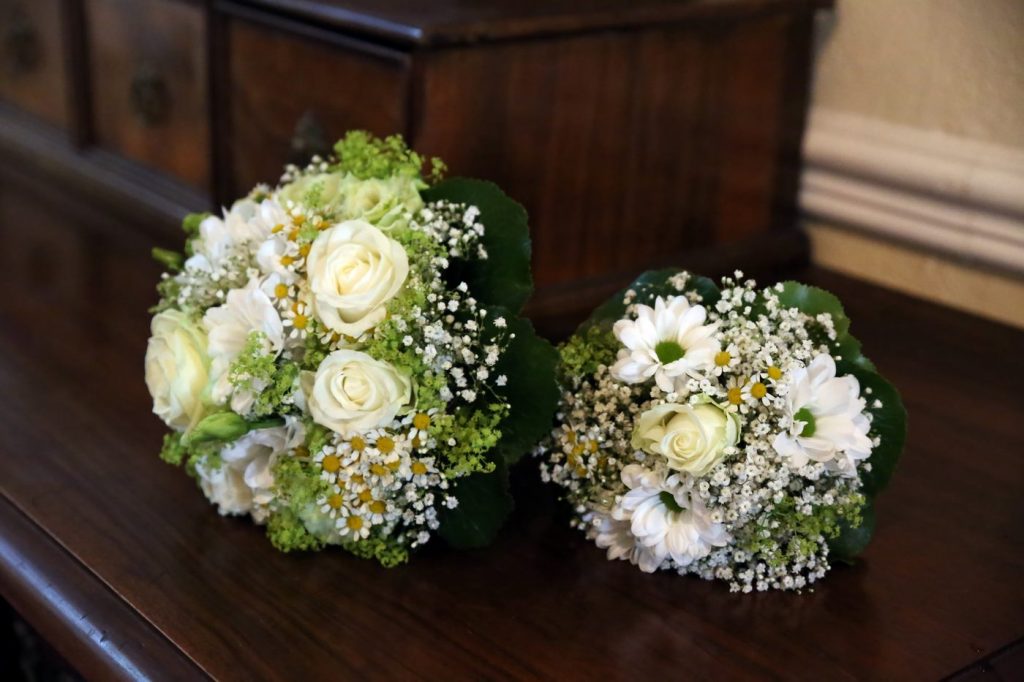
736, 434
342, 358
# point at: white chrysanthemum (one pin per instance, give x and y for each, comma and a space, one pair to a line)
666, 520
244, 483
246, 222
669, 342
245, 311
827, 418
620, 542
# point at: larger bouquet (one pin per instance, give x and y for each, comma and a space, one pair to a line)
341, 357
736, 434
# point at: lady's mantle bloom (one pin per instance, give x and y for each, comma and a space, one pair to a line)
827, 419
245, 311
177, 369
669, 342
352, 392
354, 270
244, 482
692, 438
666, 520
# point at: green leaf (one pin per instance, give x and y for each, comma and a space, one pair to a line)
889, 423
172, 260
529, 363
484, 504
852, 541
503, 279
190, 223
648, 287
814, 301
225, 427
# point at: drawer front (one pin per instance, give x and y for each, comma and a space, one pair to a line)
148, 65
291, 96
33, 64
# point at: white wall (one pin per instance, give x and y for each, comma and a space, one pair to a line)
914, 155
955, 66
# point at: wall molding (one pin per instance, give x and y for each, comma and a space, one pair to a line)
946, 194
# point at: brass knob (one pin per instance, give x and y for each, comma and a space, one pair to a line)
150, 97
308, 140
21, 45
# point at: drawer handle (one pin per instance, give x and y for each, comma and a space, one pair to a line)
308, 140
22, 48
150, 97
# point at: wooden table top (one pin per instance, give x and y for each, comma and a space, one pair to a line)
119, 561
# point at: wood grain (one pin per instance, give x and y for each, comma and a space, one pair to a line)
33, 60
151, 55
938, 590
276, 79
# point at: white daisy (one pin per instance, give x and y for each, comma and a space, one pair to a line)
826, 421
666, 519
669, 342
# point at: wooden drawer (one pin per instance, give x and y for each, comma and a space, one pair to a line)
148, 66
33, 63
291, 95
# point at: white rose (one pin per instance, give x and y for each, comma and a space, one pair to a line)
382, 202
691, 438
351, 392
354, 269
244, 482
177, 369
244, 311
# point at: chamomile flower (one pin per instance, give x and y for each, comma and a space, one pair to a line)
297, 321
668, 342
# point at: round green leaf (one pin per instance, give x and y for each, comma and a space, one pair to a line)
648, 287
852, 540
484, 504
814, 301
503, 279
889, 423
529, 364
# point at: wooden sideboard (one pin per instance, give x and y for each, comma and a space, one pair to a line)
636, 132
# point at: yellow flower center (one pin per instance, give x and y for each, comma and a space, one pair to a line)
592, 446
334, 501
354, 522
365, 495
416, 442
421, 421
722, 358
735, 395
293, 235
331, 463
304, 250
385, 444
419, 468
277, 228
357, 443
775, 373
571, 437
379, 469
300, 321
394, 466
299, 219
378, 507
287, 260
356, 478
758, 390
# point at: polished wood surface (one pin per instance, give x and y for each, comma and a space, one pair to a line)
680, 127
294, 93
33, 58
149, 82
458, 21
682, 118
152, 581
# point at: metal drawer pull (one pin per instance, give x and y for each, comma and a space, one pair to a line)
150, 97
22, 48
